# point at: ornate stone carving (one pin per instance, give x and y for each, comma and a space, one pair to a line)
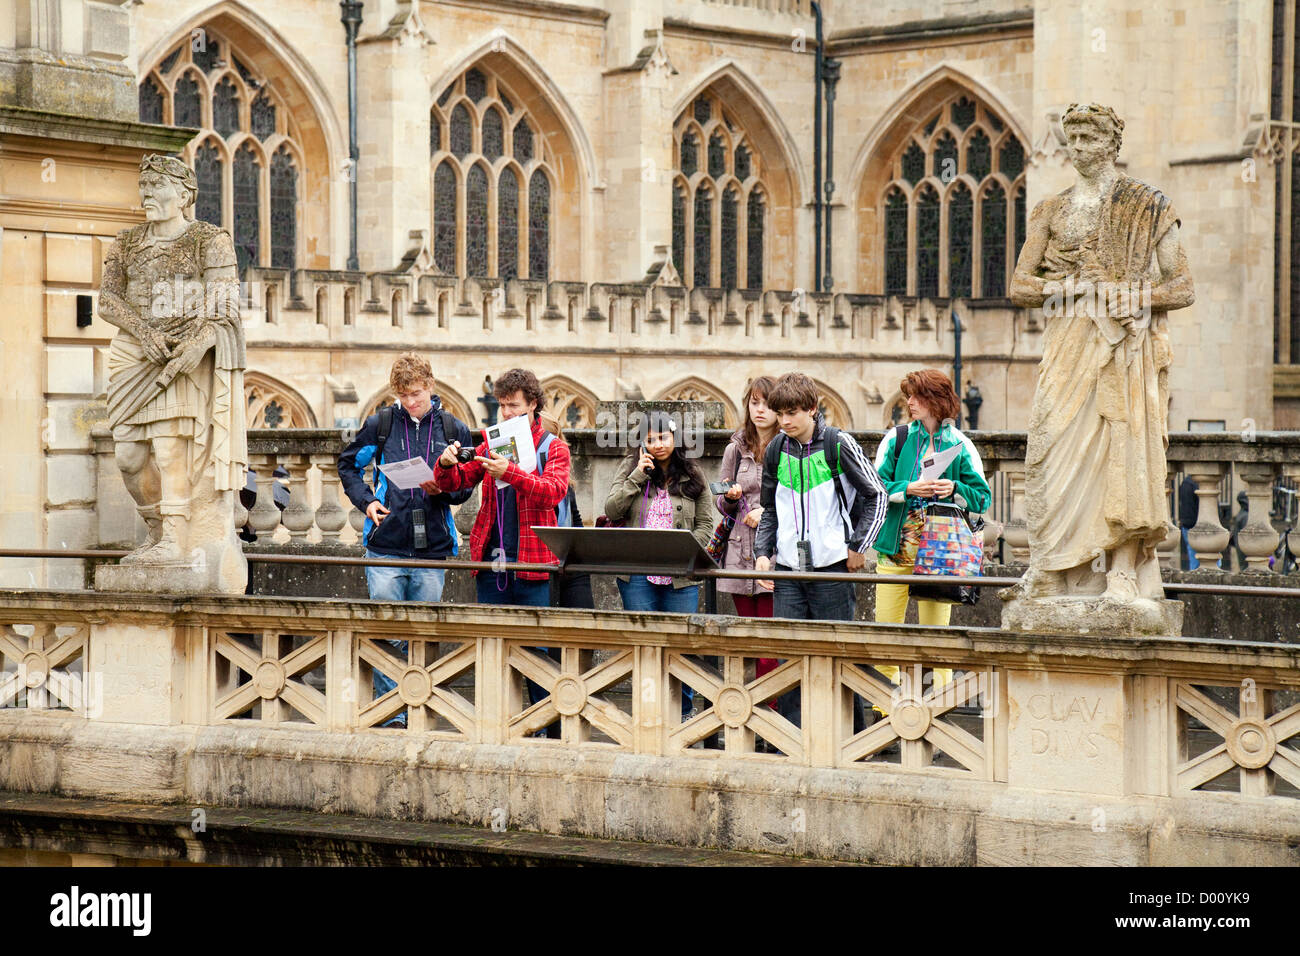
175, 390
1104, 263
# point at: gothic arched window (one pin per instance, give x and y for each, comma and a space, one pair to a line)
504, 170
958, 213
710, 247
247, 156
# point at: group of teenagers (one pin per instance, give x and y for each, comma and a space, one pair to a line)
800, 495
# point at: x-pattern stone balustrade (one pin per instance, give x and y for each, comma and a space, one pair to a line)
36, 660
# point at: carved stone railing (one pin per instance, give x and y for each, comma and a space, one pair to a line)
1106, 723
1255, 464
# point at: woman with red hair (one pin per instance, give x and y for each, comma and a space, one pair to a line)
934, 408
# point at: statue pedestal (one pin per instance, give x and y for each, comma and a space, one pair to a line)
1076, 614
226, 576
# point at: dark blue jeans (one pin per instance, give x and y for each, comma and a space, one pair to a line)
640, 595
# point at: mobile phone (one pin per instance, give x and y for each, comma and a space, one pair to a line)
720, 487
419, 534
648, 469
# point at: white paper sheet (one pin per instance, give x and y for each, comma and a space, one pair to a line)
933, 466
513, 439
407, 474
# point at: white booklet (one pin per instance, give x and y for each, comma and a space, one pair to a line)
407, 474
513, 439
933, 466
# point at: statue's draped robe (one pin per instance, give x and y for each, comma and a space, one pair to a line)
1095, 461
206, 405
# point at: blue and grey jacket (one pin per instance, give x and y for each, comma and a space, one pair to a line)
408, 439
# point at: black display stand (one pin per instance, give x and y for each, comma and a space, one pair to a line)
626, 550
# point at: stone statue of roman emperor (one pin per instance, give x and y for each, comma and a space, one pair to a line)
175, 387
1104, 262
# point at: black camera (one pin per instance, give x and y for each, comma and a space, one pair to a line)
465, 455
720, 487
420, 537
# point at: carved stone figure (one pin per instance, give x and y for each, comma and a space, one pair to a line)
1104, 262
176, 389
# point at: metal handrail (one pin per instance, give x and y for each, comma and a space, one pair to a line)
857, 577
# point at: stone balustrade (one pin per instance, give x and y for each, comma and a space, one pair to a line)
306, 307
1254, 465
269, 702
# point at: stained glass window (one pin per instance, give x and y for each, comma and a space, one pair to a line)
754, 252
993, 247
207, 170
284, 210
462, 132
679, 228
208, 51
262, 118
539, 226
1011, 158
493, 135
913, 164
896, 243
978, 156
476, 85
961, 219
444, 218
927, 242
151, 102
476, 221
523, 140
945, 158
247, 177
965, 228
508, 225
231, 194
742, 163
185, 103
963, 113
166, 65
703, 220
245, 72
486, 226
225, 108
690, 155
730, 204
705, 190
1020, 224
717, 156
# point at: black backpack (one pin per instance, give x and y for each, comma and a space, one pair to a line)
386, 415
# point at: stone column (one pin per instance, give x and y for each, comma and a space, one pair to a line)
298, 516
1169, 548
265, 516
330, 516
1258, 539
1209, 537
1016, 532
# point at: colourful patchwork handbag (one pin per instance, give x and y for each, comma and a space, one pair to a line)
951, 544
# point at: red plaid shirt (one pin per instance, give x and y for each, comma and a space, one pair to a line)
535, 499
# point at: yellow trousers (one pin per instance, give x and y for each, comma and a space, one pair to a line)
891, 607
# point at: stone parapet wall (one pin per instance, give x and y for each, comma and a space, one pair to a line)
1042, 749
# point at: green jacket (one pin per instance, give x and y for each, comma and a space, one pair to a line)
966, 472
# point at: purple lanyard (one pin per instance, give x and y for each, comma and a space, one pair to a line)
406, 424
